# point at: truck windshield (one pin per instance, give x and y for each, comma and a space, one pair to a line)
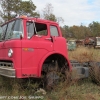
34, 28
14, 29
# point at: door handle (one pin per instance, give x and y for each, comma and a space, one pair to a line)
38, 36
51, 39
48, 38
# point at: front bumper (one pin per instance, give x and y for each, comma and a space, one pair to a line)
8, 72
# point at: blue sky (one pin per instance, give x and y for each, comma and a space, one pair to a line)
74, 12
90, 1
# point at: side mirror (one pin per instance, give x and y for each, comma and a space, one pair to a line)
21, 36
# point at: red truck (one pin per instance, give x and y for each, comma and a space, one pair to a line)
32, 47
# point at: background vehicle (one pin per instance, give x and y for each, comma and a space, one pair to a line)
71, 45
92, 41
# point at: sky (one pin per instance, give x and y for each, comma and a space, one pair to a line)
74, 12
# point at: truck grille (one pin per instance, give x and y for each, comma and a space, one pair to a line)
6, 64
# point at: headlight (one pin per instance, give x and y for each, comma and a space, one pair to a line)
10, 53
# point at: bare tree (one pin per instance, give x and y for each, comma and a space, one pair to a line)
47, 11
60, 20
48, 14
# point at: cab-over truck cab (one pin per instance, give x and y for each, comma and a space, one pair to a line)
30, 47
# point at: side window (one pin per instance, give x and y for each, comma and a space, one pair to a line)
36, 29
30, 29
41, 29
54, 31
9, 30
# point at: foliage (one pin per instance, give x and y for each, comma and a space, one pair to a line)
81, 32
95, 28
11, 8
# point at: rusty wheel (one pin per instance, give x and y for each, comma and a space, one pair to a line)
53, 76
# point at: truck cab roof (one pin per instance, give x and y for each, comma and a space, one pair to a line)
33, 18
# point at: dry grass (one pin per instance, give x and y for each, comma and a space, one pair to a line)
83, 89
83, 54
95, 74
77, 90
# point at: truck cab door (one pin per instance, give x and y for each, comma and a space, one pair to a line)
58, 41
45, 42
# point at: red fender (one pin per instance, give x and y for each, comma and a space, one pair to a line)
44, 58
